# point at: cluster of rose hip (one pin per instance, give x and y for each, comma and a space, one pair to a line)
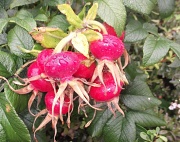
68, 75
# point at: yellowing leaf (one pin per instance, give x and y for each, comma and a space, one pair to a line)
80, 43
91, 15
72, 18
48, 37
92, 35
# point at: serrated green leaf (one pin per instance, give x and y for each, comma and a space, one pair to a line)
3, 23
59, 21
13, 126
135, 31
7, 64
71, 17
2, 134
22, 14
16, 3
166, 7
154, 49
146, 120
119, 129
176, 48
144, 7
138, 96
3, 39
92, 12
27, 23
19, 102
113, 13
41, 17
47, 36
81, 44
19, 37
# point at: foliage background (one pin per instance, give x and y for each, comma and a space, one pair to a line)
152, 39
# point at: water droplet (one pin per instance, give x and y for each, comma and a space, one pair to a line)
63, 62
64, 56
115, 44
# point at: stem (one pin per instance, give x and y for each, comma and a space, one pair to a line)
33, 52
3, 45
101, 26
64, 41
22, 67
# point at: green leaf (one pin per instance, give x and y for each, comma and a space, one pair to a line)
55, 2
3, 23
72, 18
166, 7
41, 17
92, 12
96, 127
59, 21
2, 134
3, 13
144, 7
7, 64
138, 96
3, 39
18, 61
5, 3
19, 37
176, 48
150, 28
163, 138
131, 71
16, 3
22, 14
119, 128
13, 126
19, 102
144, 136
135, 31
146, 120
29, 119
113, 13
154, 49
27, 23
3, 19
139, 129
47, 36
